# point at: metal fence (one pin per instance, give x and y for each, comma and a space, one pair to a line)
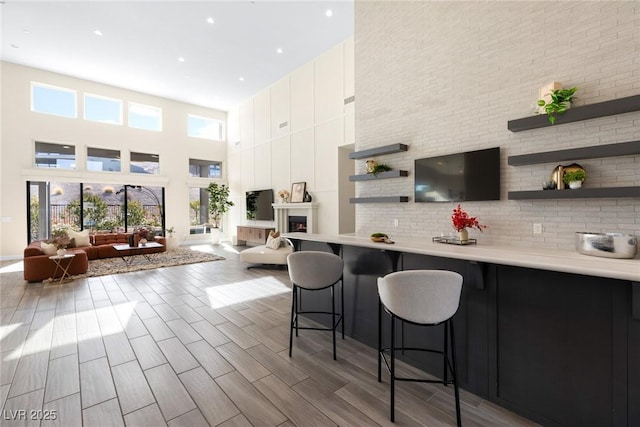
60, 215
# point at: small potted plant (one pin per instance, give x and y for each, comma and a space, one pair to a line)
560, 102
375, 168
574, 178
172, 242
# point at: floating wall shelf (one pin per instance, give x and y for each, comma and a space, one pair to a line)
379, 175
389, 199
593, 152
379, 151
575, 114
579, 193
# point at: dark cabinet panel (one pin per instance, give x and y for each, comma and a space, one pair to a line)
554, 347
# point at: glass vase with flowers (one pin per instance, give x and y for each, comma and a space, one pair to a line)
462, 221
143, 234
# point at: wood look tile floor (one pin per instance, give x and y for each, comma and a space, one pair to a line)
196, 345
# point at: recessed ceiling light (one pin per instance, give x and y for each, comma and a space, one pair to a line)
181, 59
97, 32
241, 79
210, 20
15, 46
279, 50
65, 146
26, 31
329, 12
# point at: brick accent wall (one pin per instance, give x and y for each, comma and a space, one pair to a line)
445, 77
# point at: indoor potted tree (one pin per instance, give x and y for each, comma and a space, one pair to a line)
219, 204
560, 102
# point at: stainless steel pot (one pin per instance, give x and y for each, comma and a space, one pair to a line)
607, 245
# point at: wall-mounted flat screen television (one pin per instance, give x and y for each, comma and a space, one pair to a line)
469, 176
259, 205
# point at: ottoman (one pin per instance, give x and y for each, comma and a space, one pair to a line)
264, 255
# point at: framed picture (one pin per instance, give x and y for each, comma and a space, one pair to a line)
297, 192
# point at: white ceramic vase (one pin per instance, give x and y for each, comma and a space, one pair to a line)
575, 184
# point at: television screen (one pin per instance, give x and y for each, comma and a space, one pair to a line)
470, 176
259, 205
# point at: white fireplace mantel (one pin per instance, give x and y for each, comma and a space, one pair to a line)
284, 210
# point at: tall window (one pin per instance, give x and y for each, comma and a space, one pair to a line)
203, 127
199, 211
100, 159
54, 100
57, 156
145, 117
144, 163
93, 206
102, 109
205, 168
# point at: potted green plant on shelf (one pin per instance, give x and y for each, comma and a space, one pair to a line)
375, 168
574, 178
219, 204
560, 102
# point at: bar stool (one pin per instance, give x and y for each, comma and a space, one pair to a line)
424, 298
314, 271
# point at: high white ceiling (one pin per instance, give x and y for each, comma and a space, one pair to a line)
142, 41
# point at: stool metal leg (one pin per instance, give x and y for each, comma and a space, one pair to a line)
333, 320
445, 354
342, 304
293, 311
379, 341
392, 380
455, 373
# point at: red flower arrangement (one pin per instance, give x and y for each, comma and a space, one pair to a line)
462, 220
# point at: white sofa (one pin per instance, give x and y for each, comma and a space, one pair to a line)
264, 255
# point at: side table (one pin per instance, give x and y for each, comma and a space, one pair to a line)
62, 262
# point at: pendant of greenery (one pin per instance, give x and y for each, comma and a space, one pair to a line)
561, 99
219, 202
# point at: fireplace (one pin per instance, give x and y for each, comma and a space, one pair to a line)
285, 211
297, 223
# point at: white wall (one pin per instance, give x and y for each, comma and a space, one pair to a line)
445, 77
21, 127
291, 132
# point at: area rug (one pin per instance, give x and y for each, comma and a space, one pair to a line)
102, 267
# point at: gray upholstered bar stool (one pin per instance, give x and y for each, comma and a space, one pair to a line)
424, 298
314, 271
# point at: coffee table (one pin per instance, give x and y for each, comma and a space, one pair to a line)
62, 262
128, 252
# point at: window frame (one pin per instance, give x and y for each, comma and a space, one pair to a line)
106, 98
118, 157
196, 116
208, 164
64, 147
131, 104
35, 84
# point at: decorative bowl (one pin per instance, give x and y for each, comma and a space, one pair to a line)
607, 245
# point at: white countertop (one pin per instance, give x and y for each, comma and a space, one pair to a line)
539, 258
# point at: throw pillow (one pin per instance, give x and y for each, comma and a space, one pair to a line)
274, 233
81, 237
48, 248
72, 243
273, 242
